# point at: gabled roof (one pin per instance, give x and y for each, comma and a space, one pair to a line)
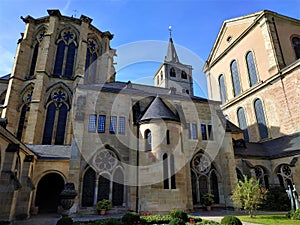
157, 109
231, 29
171, 55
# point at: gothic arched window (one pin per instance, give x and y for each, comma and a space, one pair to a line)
88, 188
40, 36
56, 118
26, 99
296, 45
285, 176
91, 57
251, 68
243, 123
235, 78
260, 118
65, 54
222, 88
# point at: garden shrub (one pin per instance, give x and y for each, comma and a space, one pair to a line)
276, 199
156, 219
131, 218
177, 221
294, 215
178, 213
231, 220
196, 218
65, 221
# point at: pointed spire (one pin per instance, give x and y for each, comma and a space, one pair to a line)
171, 55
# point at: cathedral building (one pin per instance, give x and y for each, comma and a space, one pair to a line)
65, 118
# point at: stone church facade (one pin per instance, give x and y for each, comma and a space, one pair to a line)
65, 118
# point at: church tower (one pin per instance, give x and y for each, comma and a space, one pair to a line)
53, 55
173, 74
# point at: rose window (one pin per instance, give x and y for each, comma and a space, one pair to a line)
201, 164
105, 160
59, 96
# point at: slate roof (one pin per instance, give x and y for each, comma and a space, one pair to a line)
5, 77
288, 145
157, 109
56, 152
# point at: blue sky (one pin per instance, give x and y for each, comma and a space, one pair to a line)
195, 25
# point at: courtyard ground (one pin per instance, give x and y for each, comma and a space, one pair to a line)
214, 215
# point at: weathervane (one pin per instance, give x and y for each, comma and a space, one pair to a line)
170, 30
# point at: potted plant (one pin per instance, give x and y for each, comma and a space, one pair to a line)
103, 206
208, 200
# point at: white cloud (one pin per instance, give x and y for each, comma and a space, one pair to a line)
6, 61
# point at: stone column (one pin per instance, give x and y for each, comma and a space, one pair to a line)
25, 193
9, 184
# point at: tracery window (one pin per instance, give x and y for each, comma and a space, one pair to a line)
235, 78
40, 36
110, 182
26, 99
261, 120
296, 45
251, 68
65, 54
56, 117
243, 123
285, 176
92, 53
222, 88
261, 176
204, 178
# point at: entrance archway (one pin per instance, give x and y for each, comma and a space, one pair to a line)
47, 194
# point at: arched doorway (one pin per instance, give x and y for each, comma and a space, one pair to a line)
47, 194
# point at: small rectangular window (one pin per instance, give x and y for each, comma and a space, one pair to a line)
204, 132
113, 124
188, 127
121, 125
92, 122
168, 137
194, 131
210, 132
101, 123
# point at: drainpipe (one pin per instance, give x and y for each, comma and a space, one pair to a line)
137, 167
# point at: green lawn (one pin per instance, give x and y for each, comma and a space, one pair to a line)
270, 220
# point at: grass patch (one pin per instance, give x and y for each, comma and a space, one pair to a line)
269, 219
